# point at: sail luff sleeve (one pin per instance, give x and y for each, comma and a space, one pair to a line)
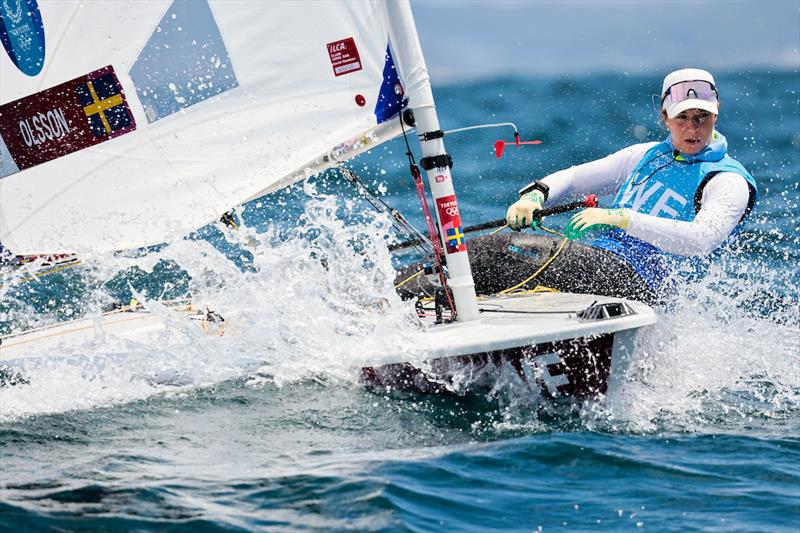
435, 161
408, 54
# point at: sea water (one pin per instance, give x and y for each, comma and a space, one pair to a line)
268, 427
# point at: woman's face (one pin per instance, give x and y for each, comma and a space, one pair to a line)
691, 130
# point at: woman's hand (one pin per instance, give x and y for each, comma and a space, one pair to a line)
594, 216
521, 212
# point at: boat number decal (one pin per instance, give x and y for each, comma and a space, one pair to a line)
344, 56
449, 217
548, 364
22, 34
63, 119
547, 371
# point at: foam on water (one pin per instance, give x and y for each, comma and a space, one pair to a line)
715, 360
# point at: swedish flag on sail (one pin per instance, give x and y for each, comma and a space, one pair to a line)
103, 104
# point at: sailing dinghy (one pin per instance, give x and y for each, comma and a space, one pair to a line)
126, 129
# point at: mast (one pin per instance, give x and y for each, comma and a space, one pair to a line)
435, 161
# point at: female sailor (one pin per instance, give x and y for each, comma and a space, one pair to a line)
676, 203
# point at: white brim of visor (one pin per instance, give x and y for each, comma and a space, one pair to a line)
692, 103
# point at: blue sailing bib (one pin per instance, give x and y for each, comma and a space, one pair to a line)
666, 183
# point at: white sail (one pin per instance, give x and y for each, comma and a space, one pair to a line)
229, 98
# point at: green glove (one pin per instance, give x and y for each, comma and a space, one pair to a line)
520, 213
594, 216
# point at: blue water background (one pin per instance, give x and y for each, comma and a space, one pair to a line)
708, 441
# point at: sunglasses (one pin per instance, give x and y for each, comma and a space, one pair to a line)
685, 90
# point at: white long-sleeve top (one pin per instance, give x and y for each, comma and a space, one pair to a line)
723, 202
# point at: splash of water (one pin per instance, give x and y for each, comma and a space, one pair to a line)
317, 303
719, 359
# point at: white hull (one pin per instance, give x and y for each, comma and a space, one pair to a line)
541, 336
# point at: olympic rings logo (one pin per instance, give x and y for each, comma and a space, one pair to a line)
452, 211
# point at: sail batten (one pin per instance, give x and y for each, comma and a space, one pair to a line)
228, 98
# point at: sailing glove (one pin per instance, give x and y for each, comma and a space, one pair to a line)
593, 217
521, 212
